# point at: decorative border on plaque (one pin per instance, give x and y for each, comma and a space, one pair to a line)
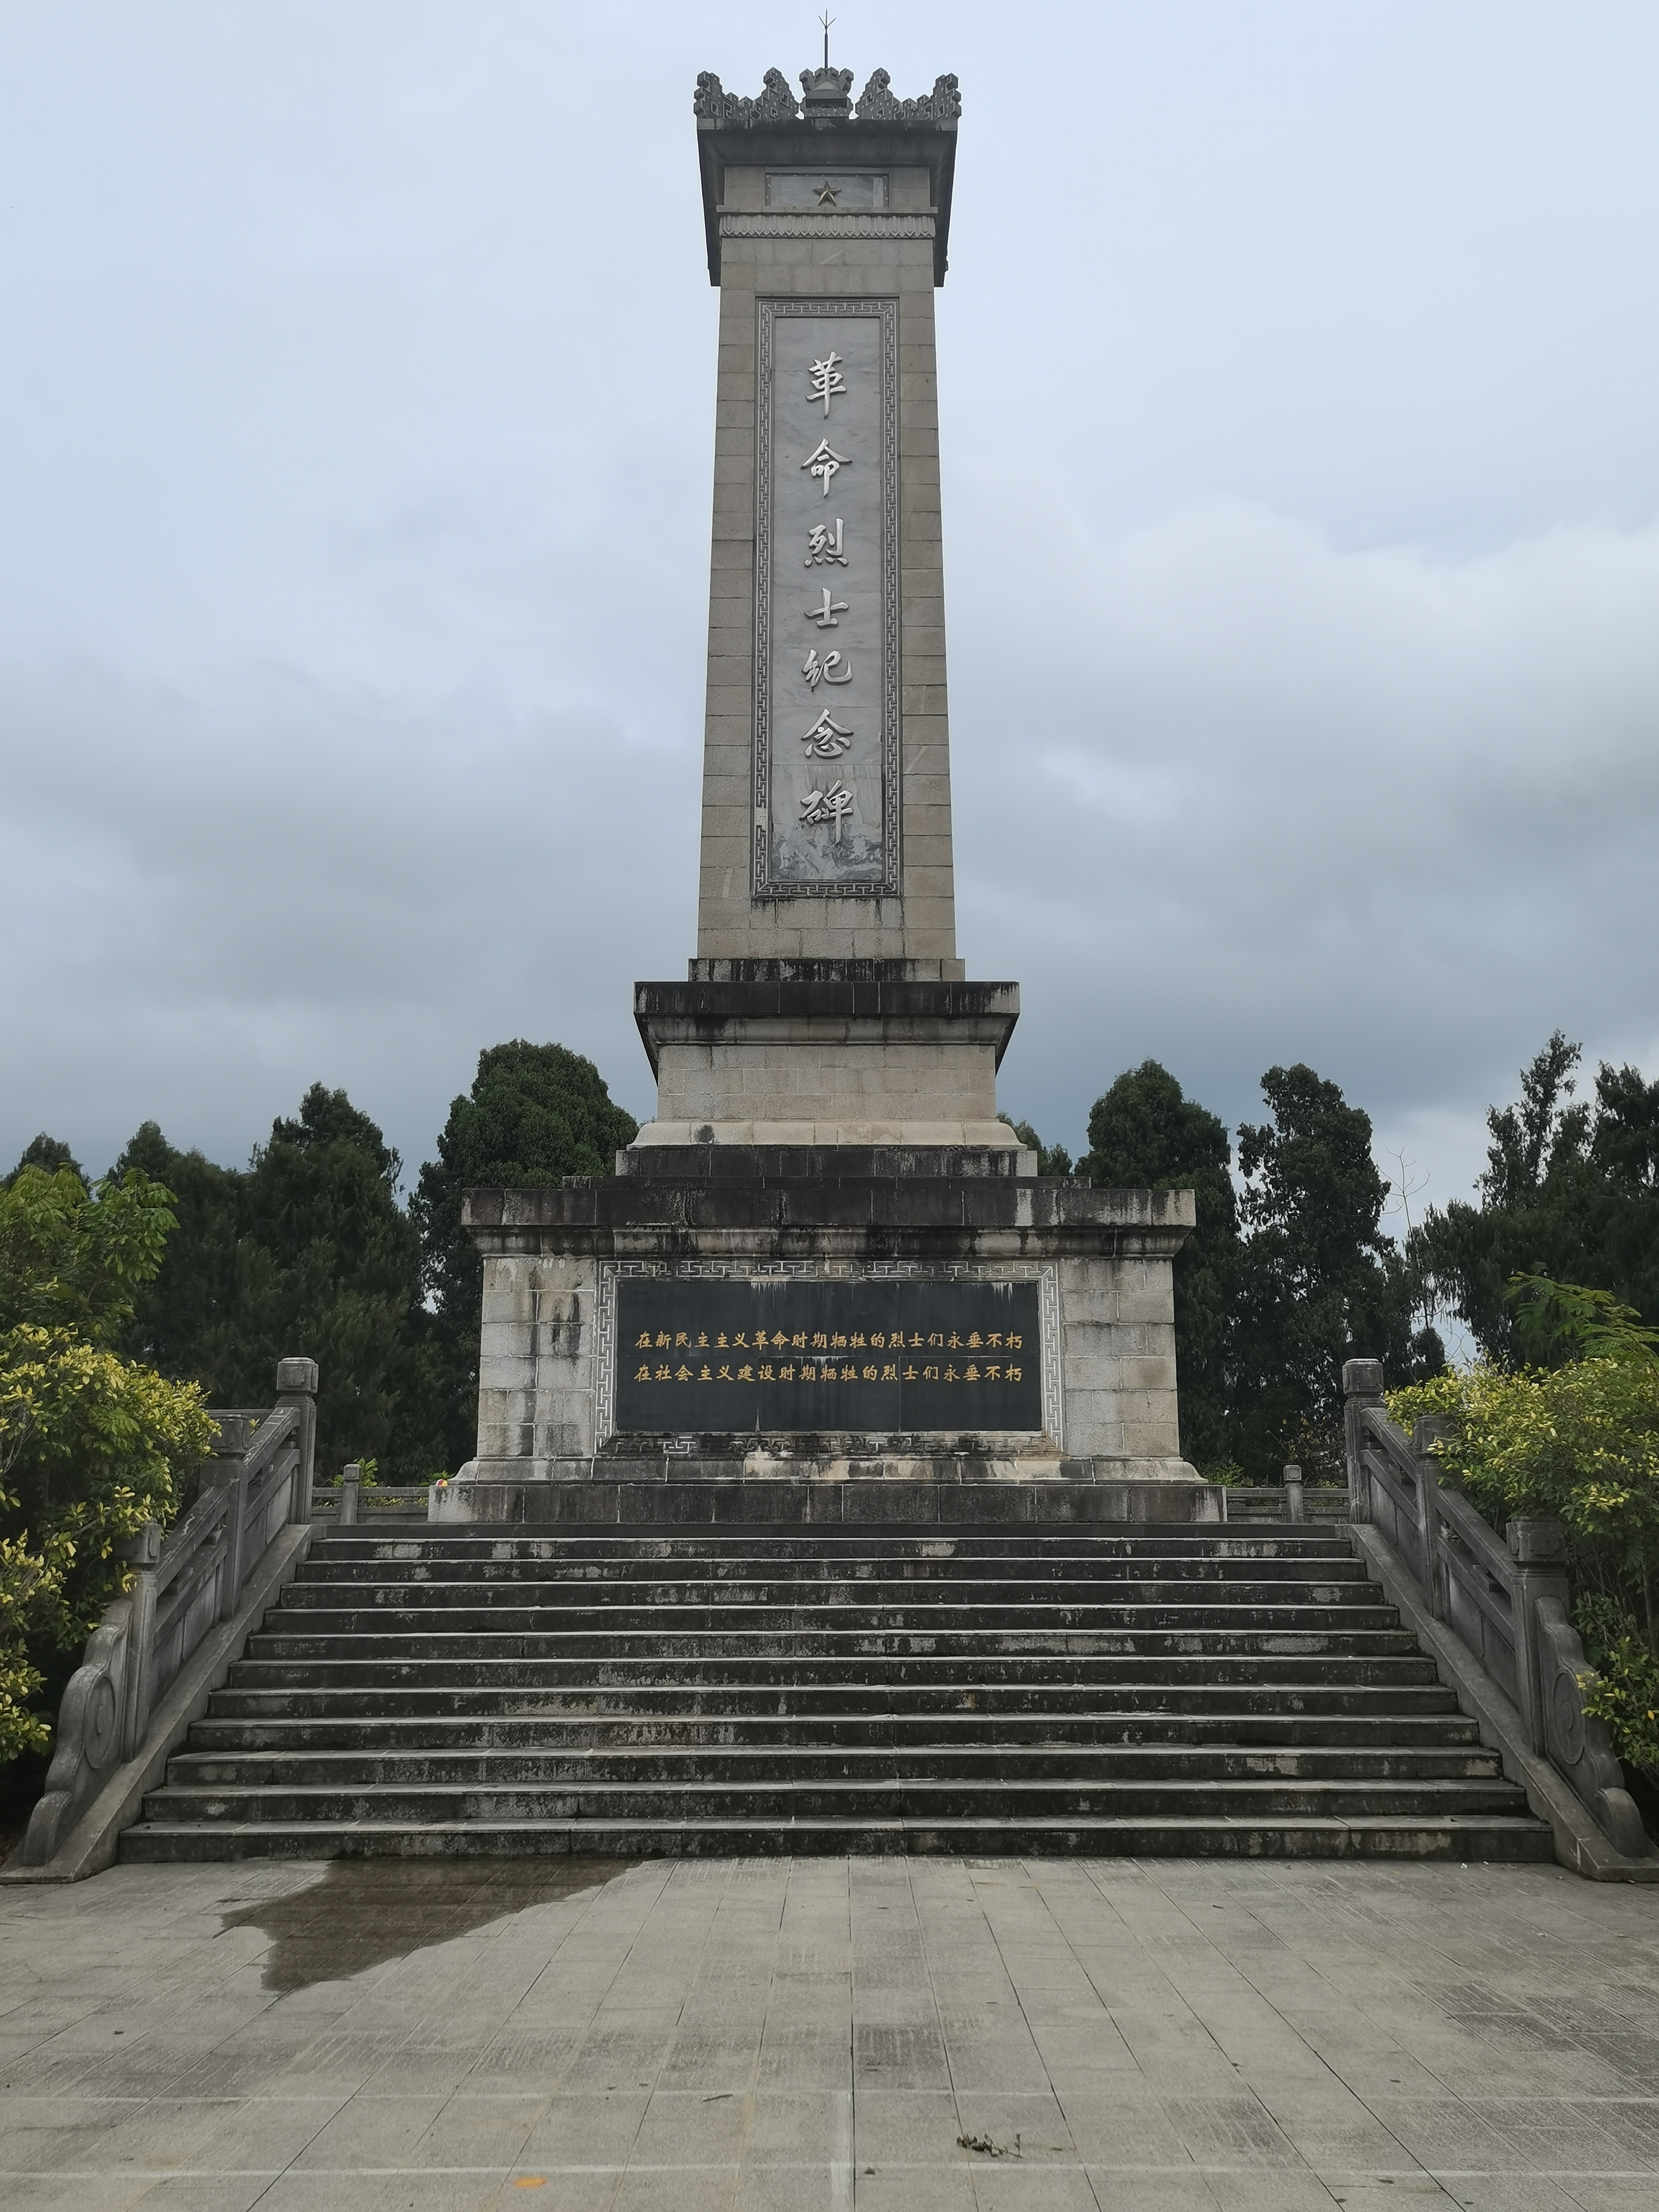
870, 223
1044, 1274
764, 883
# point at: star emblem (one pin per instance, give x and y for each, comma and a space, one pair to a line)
826, 192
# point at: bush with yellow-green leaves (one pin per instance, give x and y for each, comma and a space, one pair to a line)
1581, 1441
92, 1445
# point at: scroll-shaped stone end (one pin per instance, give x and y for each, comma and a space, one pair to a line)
1617, 1812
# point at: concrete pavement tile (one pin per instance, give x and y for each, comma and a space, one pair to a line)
153, 2137
1443, 2133
1327, 2124
533, 2063
1610, 2193
90, 2192
621, 2051
1229, 2130
236, 2191
585, 2130
1279, 2191
1505, 2192
1172, 2190
681, 2127
674, 2190
893, 2057
370, 2131
895, 2126
1009, 2063
478, 2131
265, 2132
1007, 2185
700, 2060
582, 2192
925, 2189
1114, 2125
1378, 2191
1035, 2124
784, 2189
790, 2126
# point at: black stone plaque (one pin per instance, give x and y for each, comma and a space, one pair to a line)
714, 1353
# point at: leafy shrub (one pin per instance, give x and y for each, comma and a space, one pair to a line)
1581, 1442
92, 1445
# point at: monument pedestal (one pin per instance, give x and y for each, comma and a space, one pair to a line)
801, 1052
836, 1333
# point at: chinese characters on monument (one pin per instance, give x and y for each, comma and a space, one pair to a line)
722, 1354
827, 374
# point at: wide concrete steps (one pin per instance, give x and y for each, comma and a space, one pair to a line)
1164, 1691
1444, 1836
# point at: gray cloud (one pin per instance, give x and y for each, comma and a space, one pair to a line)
1301, 483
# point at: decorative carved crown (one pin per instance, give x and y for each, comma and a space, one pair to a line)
826, 100
776, 104
877, 104
826, 93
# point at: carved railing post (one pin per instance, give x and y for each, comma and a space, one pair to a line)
1362, 1390
349, 1478
297, 1386
143, 1549
1295, 1506
1427, 1432
1538, 1546
235, 1539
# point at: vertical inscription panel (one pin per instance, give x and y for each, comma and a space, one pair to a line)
869, 1356
826, 614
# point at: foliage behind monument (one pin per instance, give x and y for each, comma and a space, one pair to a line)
535, 1114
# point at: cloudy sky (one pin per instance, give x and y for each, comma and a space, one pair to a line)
1298, 366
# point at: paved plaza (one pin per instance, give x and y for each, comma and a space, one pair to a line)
984, 2036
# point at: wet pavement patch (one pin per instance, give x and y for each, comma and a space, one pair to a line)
364, 1912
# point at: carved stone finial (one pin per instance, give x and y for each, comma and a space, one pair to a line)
827, 99
826, 92
776, 104
878, 103
946, 102
712, 103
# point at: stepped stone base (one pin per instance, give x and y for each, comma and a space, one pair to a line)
634, 1691
893, 1492
710, 1222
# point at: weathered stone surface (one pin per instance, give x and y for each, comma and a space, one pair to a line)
552, 1257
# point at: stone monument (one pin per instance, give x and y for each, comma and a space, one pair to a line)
827, 1283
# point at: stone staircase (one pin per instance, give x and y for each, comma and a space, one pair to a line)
1154, 1691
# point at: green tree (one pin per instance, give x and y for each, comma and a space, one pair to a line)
306, 1251
1571, 1190
1320, 1282
536, 1113
1145, 1135
50, 1153
1578, 1438
92, 1445
1051, 1159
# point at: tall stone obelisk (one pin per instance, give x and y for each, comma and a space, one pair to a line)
826, 1283
826, 796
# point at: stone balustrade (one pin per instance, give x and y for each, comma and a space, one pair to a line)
1506, 1600
187, 1584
